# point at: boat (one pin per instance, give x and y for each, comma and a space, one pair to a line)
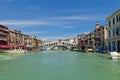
15, 51
115, 55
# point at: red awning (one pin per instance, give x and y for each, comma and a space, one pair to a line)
5, 46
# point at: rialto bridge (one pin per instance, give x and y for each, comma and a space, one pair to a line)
59, 45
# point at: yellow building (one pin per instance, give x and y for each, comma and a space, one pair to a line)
114, 31
15, 38
100, 34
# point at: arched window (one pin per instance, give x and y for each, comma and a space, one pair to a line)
113, 20
117, 31
117, 18
109, 23
109, 33
113, 32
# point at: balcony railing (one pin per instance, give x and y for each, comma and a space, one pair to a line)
4, 29
3, 33
5, 39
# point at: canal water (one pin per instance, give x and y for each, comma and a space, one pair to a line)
59, 65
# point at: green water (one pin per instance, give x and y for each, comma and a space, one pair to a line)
59, 65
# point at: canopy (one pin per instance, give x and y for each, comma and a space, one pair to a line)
30, 46
5, 46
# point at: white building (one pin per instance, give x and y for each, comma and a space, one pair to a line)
113, 30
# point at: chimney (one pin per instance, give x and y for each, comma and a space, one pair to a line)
97, 25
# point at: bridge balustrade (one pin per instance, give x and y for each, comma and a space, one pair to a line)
59, 43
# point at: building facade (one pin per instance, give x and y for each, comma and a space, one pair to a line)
91, 40
100, 35
4, 36
114, 31
81, 39
71, 40
15, 38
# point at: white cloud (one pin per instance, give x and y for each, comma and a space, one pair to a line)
85, 18
23, 22
35, 32
53, 38
58, 21
60, 36
75, 10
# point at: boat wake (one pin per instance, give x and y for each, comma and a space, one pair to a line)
4, 57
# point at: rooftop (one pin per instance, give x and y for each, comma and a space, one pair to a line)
114, 13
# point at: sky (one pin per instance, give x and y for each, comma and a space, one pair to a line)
55, 19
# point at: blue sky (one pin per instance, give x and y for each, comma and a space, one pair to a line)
54, 19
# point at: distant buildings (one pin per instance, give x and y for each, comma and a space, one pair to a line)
104, 38
100, 34
114, 31
15, 38
12, 39
82, 41
71, 40
95, 40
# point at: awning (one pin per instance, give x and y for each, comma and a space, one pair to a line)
5, 46
29, 46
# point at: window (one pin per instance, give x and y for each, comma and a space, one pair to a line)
109, 23
113, 20
99, 34
98, 29
117, 32
113, 32
109, 33
117, 18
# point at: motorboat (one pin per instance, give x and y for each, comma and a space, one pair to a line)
115, 55
15, 51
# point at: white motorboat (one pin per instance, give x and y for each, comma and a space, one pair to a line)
115, 55
15, 51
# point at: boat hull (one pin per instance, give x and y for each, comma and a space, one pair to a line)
115, 55
15, 51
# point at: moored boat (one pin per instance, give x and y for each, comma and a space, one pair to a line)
115, 55
15, 51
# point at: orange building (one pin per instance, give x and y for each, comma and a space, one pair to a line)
4, 38
100, 34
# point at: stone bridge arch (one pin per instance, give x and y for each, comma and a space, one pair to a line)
59, 43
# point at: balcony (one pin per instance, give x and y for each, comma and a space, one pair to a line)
3, 33
4, 29
4, 39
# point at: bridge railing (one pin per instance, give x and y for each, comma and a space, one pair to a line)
56, 43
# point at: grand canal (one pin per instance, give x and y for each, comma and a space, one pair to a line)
59, 65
